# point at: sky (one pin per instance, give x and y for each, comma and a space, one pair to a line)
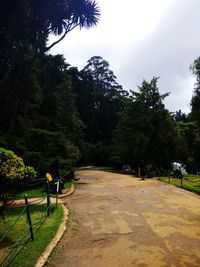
141, 39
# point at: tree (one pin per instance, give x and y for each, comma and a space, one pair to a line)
99, 70
24, 30
27, 24
51, 129
180, 116
37, 99
106, 95
187, 144
146, 130
195, 103
99, 98
13, 172
70, 14
195, 115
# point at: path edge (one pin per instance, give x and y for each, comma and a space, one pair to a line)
45, 255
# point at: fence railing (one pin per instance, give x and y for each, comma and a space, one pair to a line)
31, 227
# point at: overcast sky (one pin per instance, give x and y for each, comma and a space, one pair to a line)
141, 39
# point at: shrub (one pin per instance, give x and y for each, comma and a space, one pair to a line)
13, 172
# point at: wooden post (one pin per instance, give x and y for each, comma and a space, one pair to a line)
181, 181
29, 217
48, 200
138, 171
57, 192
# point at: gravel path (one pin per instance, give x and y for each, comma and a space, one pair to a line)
121, 221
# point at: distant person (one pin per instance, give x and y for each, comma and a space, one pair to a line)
177, 169
126, 168
142, 170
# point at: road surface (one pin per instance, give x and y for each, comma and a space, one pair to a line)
121, 221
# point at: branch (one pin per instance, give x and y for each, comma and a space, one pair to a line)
66, 31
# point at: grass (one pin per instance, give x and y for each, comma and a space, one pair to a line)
32, 250
70, 184
190, 182
41, 191
34, 192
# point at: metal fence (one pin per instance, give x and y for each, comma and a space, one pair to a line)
30, 227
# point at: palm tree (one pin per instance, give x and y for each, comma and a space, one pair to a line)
69, 14
26, 24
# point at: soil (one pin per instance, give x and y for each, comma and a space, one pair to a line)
120, 221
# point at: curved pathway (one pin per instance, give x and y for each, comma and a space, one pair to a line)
120, 221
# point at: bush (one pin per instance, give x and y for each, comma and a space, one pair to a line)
13, 172
50, 151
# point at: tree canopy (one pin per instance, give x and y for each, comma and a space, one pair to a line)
56, 116
39, 119
145, 130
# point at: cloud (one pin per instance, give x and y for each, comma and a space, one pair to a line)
142, 39
168, 53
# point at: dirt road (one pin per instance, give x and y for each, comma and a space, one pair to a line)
121, 221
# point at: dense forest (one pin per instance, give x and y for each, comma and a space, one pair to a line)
56, 116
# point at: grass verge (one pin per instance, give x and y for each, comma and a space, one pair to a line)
41, 191
190, 182
32, 250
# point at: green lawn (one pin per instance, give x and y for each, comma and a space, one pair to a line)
41, 190
190, 182
43, 233
34, 192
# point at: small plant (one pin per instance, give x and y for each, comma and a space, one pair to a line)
13, 173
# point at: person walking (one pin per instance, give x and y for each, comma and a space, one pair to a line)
177, 169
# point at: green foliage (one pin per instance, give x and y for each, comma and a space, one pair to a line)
55, 115
51, 133
195, 116
195, 103
54, 150
187, 132
179, 116
12, 167
37, 98
99, 98
145, 130
24, 30
25, 26
13, 172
